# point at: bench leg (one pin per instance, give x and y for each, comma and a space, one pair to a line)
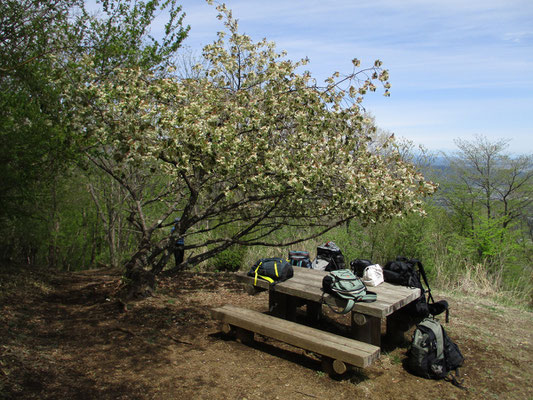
227, 329
244, 336
333, 367
366, 328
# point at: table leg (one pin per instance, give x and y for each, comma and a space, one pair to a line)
313, 310
398, 323
366, 328
281, 305
396, 327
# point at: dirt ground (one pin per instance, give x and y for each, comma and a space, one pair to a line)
65, 338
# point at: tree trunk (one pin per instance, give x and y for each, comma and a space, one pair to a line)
138, 281
111, 238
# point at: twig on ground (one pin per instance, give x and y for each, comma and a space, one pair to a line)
306, 394
177, 340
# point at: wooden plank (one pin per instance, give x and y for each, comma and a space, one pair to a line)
391, 293
387, 293
268, 319
327, 344
307, 284
286, 331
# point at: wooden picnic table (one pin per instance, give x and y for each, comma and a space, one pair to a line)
305, 287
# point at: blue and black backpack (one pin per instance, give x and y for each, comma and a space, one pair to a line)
300, 259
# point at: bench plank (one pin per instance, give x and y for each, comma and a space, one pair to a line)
327, 344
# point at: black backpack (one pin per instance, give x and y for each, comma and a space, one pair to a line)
300, 259
271, 270
432, 354
358, 266
331, 253
410, 272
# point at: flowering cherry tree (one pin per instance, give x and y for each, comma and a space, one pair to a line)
252, 142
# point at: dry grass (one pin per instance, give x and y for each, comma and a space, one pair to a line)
475, 280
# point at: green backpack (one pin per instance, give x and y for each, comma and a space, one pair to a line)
344, 284
432, 354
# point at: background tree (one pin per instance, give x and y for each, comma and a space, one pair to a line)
42, 43
118, 37
489, 191
34, 145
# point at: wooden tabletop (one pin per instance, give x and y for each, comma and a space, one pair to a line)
307, 284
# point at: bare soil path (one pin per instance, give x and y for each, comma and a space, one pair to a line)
65, 338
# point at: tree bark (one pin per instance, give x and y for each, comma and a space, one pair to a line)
138, 281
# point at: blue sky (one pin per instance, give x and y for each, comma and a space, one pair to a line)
458, 68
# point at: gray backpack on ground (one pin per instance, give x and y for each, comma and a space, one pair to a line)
432, 354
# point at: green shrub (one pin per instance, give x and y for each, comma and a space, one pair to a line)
230, 259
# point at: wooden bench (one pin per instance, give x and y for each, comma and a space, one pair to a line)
338, 352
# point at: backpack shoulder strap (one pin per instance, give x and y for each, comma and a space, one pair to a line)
349, 305
442, 305
369, 297
454, 378
437, 331
266, 278
422, 273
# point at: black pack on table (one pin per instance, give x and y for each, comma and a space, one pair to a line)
358, 266
272, 270
432, 354
411, 273
331, 253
